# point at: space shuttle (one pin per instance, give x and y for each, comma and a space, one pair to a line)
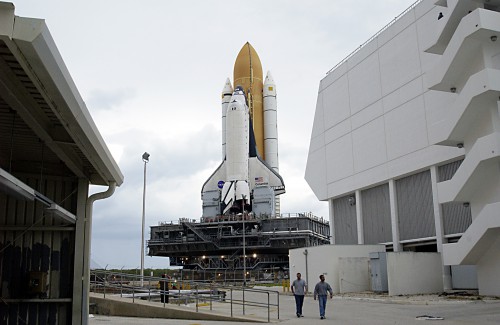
248, 178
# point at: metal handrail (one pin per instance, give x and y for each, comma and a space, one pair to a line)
236, 217
104, 281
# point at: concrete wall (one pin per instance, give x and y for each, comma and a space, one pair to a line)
354, 274
116, 306
414, 273
487, 271
326, 260
373, 113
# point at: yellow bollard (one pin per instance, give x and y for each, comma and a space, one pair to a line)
286, 285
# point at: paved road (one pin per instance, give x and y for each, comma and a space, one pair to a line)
355, 310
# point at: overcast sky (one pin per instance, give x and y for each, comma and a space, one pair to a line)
151, 73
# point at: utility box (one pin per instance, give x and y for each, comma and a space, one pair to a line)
378, 272
464, 277
38, 285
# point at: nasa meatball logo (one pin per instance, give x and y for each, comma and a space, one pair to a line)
220, 184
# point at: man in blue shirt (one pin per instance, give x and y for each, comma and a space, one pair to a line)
299, 289
321, 291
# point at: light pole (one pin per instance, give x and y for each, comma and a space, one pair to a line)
145, 158
244, 242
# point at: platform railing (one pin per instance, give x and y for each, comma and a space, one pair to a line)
165, 291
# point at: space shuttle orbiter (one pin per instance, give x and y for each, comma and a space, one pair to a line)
244, 180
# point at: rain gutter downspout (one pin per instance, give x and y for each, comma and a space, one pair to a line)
88, 230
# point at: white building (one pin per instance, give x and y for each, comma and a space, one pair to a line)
405, 144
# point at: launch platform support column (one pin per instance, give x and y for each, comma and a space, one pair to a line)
145, 158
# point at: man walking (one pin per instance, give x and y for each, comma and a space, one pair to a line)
321, 291
299, 289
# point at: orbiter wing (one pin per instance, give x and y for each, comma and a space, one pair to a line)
212, 182
261, 174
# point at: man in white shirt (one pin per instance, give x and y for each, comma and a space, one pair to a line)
299, 289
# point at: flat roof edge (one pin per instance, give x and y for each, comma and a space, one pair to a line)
6, 18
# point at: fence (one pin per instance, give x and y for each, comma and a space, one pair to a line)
157, 290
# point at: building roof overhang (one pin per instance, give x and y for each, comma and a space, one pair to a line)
36, 86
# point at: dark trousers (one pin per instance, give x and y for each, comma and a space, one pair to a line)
164, 289
299, 302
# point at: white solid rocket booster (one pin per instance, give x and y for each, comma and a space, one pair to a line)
271, 129
227, 92
270, 122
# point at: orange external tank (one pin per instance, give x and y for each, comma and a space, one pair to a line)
248, 74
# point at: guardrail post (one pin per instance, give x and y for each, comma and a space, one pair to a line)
104, 282
211, 292
231, 303
243, 300
179, 295
149, 289
278, 303
196, 298
268, 309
